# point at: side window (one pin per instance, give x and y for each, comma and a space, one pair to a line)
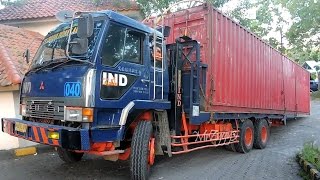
132, 49
113, 45
121, 44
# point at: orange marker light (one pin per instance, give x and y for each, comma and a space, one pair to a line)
87, 114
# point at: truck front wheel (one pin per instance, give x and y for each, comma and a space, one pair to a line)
142, 151
69, 156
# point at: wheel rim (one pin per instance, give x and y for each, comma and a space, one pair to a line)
264, 134
248, 136
151, 151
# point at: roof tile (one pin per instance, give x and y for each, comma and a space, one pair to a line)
32, 9
13, 42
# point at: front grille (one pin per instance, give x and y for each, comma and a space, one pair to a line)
46, 109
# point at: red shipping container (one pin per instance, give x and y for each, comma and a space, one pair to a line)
245, 74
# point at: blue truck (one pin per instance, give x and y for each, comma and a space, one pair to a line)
94, 86
105, 84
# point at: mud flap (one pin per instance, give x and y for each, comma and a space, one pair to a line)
162, 133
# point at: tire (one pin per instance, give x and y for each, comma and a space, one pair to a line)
246, 137
139, 159
261, 134
69, 156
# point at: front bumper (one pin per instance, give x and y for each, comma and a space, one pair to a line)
69, 138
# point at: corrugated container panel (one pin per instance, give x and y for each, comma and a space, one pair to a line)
245, 74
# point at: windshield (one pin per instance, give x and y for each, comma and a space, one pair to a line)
54, 45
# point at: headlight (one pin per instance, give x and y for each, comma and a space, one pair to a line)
23, 110
78, 114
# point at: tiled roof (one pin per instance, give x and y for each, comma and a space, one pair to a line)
32, 9
13, 43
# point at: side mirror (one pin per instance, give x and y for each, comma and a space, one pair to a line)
26, 55
79, 45
85, 26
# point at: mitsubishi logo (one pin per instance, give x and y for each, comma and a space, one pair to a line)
41, 86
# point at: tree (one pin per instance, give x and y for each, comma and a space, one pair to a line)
155, 6
306, 23
267, 15
258, 25
304, 34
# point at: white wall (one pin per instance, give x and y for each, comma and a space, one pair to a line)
40, 27
45, 25
16, 98
7, 109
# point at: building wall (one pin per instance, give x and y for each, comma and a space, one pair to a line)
40, 27
7, 109
43, 26
16, 100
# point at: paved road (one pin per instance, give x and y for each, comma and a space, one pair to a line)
274, 162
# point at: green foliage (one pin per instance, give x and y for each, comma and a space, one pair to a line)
304, 34
261, 25
217, 3
148, 7
155, 6
313, 75
311, 153
115, 3
306, 26
276, 44
300, 54
304, 175
315, 95
267, 11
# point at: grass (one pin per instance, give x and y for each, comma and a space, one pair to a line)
304, 175
315, 95
311, 153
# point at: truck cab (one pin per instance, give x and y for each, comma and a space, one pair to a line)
91, 79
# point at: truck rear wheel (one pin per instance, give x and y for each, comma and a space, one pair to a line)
246, 137
142, 151
69, 156
261, 134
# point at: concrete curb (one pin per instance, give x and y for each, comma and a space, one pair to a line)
313, 173
31, 150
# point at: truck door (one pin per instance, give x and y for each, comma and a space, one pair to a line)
124, 75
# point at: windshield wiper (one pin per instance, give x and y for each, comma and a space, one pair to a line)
73, 59
59, 62
51, 62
